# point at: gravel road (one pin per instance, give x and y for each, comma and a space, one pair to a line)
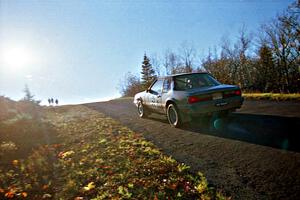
254, 154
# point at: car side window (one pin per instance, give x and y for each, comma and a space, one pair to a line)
157, 86
167, 85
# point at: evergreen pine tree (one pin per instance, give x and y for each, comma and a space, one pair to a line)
148, 73
29, 97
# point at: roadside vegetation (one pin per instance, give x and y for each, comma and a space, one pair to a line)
265, 61
272, 96
72, 152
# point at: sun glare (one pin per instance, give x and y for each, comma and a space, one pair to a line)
16, 57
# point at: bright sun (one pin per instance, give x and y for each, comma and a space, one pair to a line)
16, 57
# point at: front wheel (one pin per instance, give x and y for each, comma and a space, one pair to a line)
173, 116
141, 110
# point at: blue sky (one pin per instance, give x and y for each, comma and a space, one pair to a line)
77, 51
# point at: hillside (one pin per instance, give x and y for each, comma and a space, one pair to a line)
72, 152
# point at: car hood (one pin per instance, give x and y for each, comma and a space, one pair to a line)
139, 95
212, 89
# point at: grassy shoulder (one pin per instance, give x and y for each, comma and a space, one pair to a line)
272, 96
95, 157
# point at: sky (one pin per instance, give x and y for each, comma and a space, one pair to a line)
78, 51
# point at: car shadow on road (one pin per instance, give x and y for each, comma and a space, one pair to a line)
273, 131
269, 130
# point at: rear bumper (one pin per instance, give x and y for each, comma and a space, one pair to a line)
209, 107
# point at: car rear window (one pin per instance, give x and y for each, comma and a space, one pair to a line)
192, 81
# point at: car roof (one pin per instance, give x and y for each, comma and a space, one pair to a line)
181, 74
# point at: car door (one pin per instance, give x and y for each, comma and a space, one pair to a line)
165, 93
155, 95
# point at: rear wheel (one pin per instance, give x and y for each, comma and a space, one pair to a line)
173, 116
224, 114
142, 110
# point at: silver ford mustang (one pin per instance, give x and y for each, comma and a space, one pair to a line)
184, 96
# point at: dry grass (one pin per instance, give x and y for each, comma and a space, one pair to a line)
272, 96
95, 157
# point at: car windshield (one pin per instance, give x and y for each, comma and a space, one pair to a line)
192, 81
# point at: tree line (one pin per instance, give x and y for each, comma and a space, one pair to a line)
268, 61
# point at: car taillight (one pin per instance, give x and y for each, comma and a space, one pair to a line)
195, 99
232, 93
238, 92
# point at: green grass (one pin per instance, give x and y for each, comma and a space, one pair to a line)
272, 96
95, 157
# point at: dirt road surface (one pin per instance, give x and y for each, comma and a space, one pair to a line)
254, 154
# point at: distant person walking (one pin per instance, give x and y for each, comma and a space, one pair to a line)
49, 101
52, 101
56, 102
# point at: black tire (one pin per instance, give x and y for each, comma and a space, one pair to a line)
224, 114
142, 111
173, 116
